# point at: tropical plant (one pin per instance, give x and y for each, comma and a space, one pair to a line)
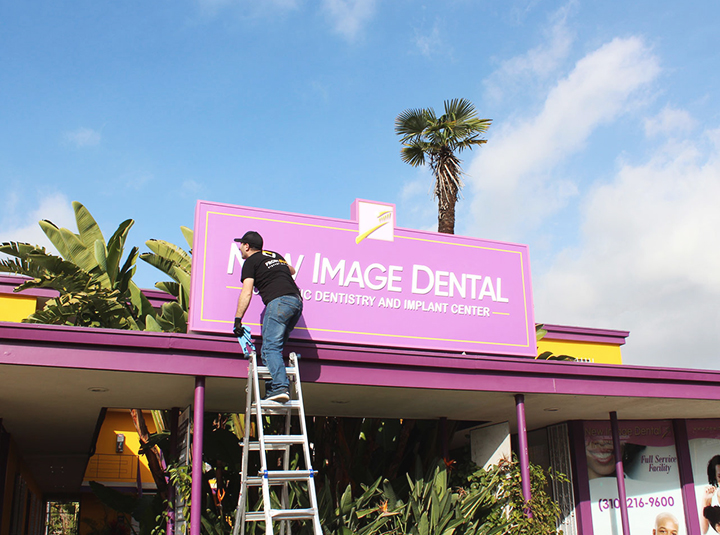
359, 450
540, 333
437, 139
502, 484
82, 300
176, 263
95, 286
431, 506
489, 503
363, 515
423, 502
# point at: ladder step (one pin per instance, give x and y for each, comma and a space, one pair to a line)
281, 476
264, 373
281, 514
293, 514
273, 407
277, 442
284, 439
255, 446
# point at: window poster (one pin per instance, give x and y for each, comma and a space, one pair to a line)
652, 481
704, 439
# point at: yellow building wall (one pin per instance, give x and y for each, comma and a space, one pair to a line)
110, 468
583, 351
16, 308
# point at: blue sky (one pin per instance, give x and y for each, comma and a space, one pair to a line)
603, 156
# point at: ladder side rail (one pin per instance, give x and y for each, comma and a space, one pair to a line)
285, 497
267, 505
306, 446
241, 511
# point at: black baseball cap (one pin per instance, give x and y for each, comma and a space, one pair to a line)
252, 238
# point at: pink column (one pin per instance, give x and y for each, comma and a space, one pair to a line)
197, 449
620, 473
523, 446
687, 484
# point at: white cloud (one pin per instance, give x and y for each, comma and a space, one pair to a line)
83, 137
536, 64
670, 122
348, 17
515, 167
649, 260
429, 43
22, 226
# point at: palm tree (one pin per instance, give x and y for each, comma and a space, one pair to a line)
424, 135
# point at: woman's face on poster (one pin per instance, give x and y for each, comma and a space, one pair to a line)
600, 457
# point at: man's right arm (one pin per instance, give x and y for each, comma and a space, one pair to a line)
245, 297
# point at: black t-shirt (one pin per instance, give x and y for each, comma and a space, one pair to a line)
271, 274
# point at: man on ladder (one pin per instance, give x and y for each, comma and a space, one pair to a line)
273, 277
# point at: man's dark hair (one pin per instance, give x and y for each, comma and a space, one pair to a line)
711, 472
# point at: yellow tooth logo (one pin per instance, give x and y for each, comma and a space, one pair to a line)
375, 220
383, 218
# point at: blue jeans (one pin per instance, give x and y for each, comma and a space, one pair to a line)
281, 316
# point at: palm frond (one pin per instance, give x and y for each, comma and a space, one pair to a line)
414, 154
411, 123
459, 109
468, 144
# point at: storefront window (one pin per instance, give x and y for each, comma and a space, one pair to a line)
704, 439
652, 481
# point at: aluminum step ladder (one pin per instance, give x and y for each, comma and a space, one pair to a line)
256, 407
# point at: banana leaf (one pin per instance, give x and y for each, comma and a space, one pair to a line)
53, 233
87, 226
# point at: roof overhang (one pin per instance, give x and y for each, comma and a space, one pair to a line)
50, 377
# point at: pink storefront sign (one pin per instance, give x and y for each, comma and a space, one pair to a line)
364, 281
